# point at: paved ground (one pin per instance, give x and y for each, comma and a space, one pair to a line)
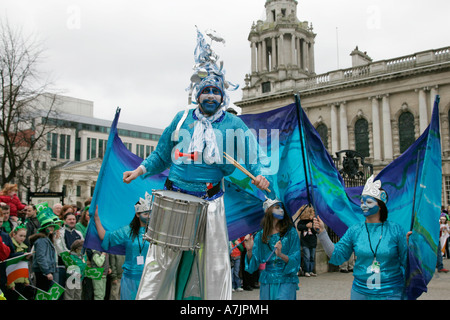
337, 286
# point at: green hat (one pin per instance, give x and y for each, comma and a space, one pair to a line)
46, 216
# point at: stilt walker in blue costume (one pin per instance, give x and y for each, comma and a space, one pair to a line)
204, 273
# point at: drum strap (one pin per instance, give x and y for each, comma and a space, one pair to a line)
211, 192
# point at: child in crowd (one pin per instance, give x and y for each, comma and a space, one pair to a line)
75, 272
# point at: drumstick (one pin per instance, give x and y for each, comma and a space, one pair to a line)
240, 167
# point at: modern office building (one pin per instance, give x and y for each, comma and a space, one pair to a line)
73, 150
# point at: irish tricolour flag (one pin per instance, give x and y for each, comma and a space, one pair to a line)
16, 268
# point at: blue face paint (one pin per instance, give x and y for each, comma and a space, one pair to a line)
143, 216
369, 205
278, 212
210, 106
210, 100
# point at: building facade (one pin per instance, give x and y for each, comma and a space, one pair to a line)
377, 108
72, 153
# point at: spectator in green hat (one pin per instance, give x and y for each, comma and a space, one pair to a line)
45, 260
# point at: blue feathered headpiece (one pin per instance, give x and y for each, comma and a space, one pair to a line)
208, 72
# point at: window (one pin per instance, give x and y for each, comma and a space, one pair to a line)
91, 148
406, 130
49, 141
140, 150
101, 147
77, 149
265, 86
54, 148
362, 137
322, 130
447, 189
64, 146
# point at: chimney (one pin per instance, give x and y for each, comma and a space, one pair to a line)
359, 58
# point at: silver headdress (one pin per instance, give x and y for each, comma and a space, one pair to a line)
208, 71
144, 204
373, 189
269, 202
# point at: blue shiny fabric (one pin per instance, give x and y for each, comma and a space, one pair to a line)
391, 254
193, 175
276, 270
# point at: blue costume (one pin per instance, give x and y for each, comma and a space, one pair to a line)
380, 248
203, 131
278, 280
132, 270
391, 253
192, 177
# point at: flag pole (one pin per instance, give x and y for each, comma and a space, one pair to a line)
413, 215
298, 106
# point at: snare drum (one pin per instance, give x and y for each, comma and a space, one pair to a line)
177, 220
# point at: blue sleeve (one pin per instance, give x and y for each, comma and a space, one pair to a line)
293, 253
116, 237
344, 248
253, 264
161, 159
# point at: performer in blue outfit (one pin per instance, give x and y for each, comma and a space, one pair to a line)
200, 132
136, 248
379, 245
277, 247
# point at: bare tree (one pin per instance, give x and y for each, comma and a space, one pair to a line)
26, 105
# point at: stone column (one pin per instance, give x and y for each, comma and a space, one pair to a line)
73, 192
312, 67
423, 110
376, 129
264, 55
305, 55
343, 125
281, 57
83, 146
87, 192
254, 51
299, 53
259, 56
387, 129
274, 53
293, 57
334, 130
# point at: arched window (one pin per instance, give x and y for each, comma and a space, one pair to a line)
323, 133
362, 137
406, 130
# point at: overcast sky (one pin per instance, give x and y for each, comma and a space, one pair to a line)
138, 54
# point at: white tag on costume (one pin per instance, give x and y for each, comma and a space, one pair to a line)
140, 260
375, 267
